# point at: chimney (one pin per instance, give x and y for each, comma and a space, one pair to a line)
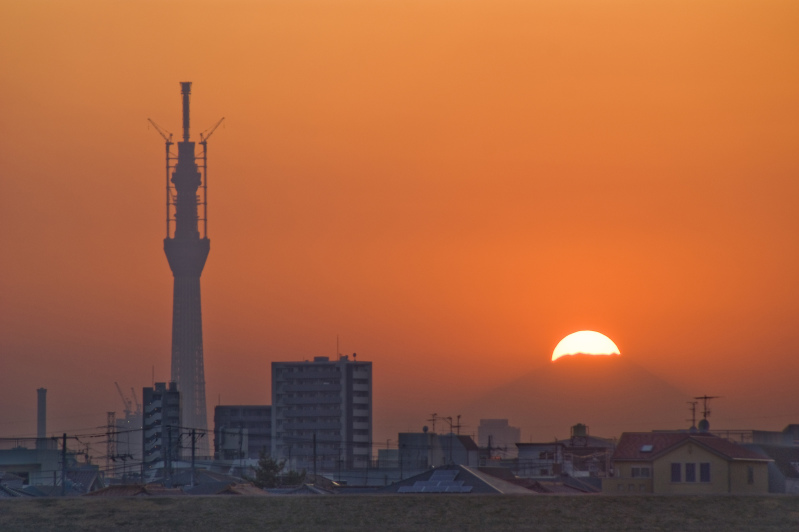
41, 417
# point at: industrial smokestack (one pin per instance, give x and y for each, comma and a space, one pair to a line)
41, 417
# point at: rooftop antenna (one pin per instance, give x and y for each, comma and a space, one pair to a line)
692, 408
432, 421
706, 404
704, 425
454, 424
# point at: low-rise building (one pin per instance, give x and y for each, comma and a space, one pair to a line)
540, 460
684, 463
498, 436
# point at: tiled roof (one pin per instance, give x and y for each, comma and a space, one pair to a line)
224, 488
469, 480
649, 445
84, 480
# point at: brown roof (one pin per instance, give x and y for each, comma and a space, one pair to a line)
632, 445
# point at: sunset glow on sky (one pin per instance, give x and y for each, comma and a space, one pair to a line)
447, 187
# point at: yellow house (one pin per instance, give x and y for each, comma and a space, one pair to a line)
685, 464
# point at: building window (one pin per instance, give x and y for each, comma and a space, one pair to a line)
640, 472
676, 472
704, 472
621, 487
750, 475
690, 472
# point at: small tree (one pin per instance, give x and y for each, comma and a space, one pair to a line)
294, 478
267, 471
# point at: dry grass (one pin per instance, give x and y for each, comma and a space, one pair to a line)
370, 513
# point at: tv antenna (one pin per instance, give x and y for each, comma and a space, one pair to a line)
692, 408
706, 404
432, 421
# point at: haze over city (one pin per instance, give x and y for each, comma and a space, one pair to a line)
446, 188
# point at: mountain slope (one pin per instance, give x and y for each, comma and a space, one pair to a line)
607, 393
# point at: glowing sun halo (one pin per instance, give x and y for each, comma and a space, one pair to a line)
585, 343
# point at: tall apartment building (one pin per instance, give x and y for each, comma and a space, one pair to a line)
322, 413
233, 422
160, 423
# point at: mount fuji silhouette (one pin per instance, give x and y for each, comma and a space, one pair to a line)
608, 393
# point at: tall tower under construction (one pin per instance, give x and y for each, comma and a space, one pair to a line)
186, 246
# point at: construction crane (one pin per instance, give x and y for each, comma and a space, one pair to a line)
210, 131
166, 134
126, 402
135, 400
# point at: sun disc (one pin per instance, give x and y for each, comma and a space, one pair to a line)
585, 343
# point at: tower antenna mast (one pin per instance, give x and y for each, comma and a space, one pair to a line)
187, 246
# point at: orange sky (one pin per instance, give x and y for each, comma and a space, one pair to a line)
449, 186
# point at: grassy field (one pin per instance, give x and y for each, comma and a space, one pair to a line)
378, 513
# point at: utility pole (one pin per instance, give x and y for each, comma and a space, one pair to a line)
168, 457
314, 458
64, 465
401, 452
193, 441
241, 449
111, 447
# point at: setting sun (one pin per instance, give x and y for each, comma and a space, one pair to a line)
585, 343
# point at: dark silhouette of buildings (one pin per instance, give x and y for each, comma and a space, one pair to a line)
242, 431
161, 422
322, 413
187, 248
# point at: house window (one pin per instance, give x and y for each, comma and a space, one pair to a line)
750, 475
640, 472
690, 472
621, 487
676, 472
704, 472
